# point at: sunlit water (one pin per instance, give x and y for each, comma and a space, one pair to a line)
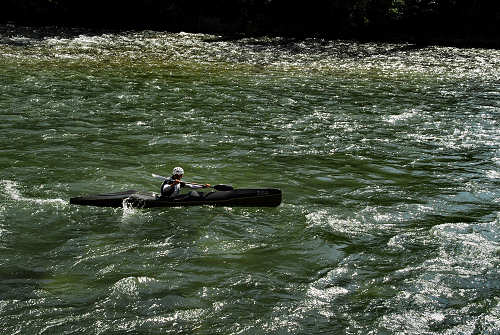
388, 157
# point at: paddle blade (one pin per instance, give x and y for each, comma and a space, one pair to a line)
222, 187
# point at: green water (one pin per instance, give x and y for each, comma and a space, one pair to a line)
388, 158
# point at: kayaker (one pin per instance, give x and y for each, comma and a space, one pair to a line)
172, 185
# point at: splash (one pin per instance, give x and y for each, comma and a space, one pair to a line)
11, 189
128, 210
131, 215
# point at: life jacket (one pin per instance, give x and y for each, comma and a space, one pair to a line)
171, 190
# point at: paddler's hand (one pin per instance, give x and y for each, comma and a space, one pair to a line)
206, 185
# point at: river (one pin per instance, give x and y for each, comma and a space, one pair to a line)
388, 157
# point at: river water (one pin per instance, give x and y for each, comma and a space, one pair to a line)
388, 157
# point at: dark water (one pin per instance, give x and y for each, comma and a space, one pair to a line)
388, 157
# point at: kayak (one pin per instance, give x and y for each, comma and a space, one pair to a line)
268, 197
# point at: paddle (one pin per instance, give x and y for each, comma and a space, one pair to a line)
219, 187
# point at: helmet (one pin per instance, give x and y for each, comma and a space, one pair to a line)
178, 171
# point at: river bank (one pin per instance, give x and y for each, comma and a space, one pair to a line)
461, 26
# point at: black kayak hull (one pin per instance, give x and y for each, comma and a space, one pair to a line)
269, 197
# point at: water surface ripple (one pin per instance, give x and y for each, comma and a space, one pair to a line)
388, 156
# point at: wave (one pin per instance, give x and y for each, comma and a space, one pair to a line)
11, 189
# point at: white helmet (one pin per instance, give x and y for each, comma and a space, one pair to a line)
178, 171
